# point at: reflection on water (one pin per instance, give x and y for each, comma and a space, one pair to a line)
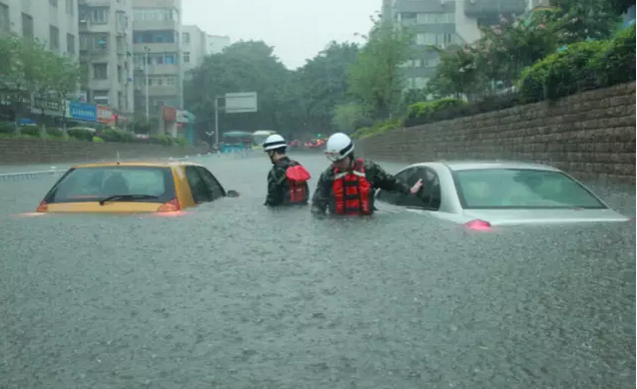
236, 295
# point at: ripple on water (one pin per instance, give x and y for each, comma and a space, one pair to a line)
236, 295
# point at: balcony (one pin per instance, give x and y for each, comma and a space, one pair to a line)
146, 25
156, 47
487, 8
171, 70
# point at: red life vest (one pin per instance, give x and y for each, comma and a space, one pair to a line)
297, 177
352, 191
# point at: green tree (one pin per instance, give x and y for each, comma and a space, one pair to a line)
377, 79
65, 78
242, 67
577, 21
347, 117
322, 84
24, 70
457, 74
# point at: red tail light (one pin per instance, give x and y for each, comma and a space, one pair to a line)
478, 225
43, 207
171, 206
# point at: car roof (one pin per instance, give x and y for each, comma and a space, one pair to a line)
166, 164
493, 164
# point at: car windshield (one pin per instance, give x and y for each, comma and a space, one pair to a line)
521, 188
145, 184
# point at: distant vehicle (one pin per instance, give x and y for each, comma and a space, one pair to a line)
132, 187
236, 141
486, 194
259, 137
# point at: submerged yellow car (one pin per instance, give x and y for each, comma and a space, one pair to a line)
130, 187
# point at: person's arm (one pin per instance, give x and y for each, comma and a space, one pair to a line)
274, 196
321, 197
383, 180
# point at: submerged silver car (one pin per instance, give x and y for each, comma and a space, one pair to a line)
485, 194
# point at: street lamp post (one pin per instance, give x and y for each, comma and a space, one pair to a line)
146, 50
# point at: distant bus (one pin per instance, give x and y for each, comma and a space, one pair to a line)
235, 141
259, 137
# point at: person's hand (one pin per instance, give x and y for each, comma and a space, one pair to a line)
414, 189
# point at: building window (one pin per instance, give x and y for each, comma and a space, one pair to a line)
162, 36
53, 2
155, 14
99, 15
100, 43
70, 43
54, 39
170, 59
100, 71
186, 38
27, 26
70, 7
171, 81
5, 24
426, 39
186, 57
435, 18
160, 81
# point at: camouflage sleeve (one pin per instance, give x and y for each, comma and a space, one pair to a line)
275, 180
321, 197
383, 180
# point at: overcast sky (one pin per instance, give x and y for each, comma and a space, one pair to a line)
298, 29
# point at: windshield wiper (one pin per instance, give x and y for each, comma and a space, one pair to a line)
129, 197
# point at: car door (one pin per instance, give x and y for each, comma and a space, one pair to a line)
200, 191
429, 196
212, 183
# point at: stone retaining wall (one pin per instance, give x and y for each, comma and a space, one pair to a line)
34, 151
590, 135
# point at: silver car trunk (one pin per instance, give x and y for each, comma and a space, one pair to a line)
543, 216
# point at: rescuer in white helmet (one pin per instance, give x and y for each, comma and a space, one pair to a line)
287, 180
347, 187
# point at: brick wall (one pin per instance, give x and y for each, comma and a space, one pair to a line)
34, 151
590, 135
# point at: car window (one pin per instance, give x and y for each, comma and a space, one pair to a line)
92, 184
199, 189
394, 197
211, 182
429, 197
521, 188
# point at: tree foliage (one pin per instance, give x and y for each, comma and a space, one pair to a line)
289, 102
28, 69
497, 59
377, 79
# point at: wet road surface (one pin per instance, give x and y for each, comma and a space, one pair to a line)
234, 295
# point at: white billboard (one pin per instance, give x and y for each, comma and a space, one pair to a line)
241, 102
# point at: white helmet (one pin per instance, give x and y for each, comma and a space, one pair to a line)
338, 147
274, 142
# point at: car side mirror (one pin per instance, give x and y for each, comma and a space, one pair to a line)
232, 193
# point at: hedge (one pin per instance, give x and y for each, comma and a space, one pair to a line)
378, 128
581, 66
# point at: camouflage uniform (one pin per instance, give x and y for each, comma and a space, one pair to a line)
278, 187
323, 198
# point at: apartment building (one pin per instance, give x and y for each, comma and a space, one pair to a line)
53, 22
193, 40
442, 23
216, 43
157, 54
106, 52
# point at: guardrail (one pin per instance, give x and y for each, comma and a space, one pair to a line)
30, 175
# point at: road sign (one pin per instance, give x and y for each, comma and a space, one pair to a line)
241, 102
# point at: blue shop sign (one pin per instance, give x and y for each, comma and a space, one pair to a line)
83, 111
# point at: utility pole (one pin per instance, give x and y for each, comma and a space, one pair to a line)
217, 121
